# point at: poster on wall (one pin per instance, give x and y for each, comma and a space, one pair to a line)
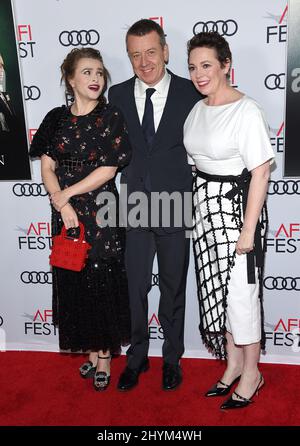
292, 152
14, 160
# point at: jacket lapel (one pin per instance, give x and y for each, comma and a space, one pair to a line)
166, 119
165, 123
132, 117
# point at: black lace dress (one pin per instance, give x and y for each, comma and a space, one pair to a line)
90, 307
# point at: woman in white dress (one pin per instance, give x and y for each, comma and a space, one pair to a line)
226, 137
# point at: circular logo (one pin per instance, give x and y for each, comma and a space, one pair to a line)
29, 190
1, 321
282, 187
282, 283
224, 28
32, 93
36, 277
274, 81
77, 38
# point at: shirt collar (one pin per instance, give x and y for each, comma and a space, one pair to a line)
161, 87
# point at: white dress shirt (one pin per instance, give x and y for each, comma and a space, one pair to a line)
158, 98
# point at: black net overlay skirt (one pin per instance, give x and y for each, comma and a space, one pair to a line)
219, 203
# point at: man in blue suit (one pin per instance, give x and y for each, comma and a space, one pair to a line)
155, 104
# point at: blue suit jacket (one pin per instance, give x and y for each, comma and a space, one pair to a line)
164, 167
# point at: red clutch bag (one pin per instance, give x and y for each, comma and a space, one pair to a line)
68, 252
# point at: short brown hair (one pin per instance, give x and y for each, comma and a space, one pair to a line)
214, 40
69, 65
146, 26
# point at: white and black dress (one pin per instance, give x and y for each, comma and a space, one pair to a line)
225, 143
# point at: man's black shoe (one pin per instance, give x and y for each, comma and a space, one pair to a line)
129, 378
172, 376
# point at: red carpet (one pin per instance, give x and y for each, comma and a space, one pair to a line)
45, 389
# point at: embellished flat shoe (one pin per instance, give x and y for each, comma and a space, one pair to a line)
221, 391
102, 379
241, 401
87, 370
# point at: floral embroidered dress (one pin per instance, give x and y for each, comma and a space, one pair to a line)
90, 307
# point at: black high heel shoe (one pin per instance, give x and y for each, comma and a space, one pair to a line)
221, 391
87, 370
102, 379
242, 401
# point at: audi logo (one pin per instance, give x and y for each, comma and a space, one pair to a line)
29, 190
32, 93
282, 187
36, 277
274, 81
225, 28
282, 283
1, 321
155, 280
76, 38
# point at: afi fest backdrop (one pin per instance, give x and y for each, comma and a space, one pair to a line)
46, 31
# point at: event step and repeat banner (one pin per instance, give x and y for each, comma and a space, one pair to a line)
46, 31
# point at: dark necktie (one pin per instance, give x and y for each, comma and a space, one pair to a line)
148, 119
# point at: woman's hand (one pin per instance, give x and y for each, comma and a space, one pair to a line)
59, 199
69, 217
245, 242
